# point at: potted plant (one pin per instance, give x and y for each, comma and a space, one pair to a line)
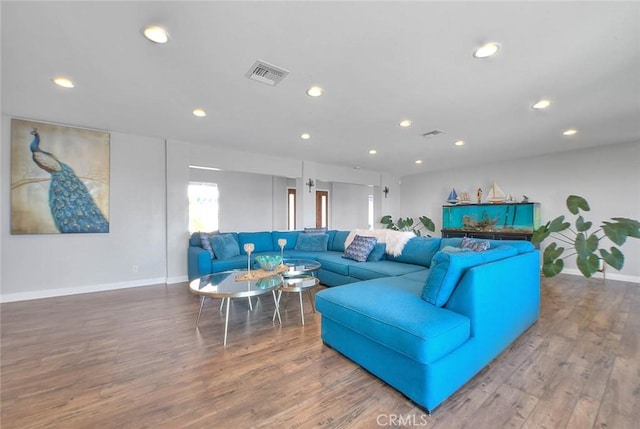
582, 241
408, 224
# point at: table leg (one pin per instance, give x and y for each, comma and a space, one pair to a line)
250, 304
276, 301
226, 322
202, 298
313, 304
301, 308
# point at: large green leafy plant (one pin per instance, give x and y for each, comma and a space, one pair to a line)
408, 224
583, 243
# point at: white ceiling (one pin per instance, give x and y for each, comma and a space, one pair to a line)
379, 62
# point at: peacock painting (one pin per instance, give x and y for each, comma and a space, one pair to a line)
69, 197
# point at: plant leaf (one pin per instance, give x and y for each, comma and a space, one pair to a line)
540, 234
581, 225
588, 265
633, 226
616, 232
551, 269
558, 224
575, 203
551, 253
615, 259
428, 223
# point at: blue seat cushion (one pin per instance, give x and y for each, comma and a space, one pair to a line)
378, 309
333, 261
225, 246
374, 270
448, 268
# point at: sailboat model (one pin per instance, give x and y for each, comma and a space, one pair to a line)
496, 195
453, 197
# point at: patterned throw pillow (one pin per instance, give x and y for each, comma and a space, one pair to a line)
360, 248
205, 242
322, 230
475, 245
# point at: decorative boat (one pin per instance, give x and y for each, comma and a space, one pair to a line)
496, 195
453, 197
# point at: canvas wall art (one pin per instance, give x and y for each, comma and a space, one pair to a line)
59, 179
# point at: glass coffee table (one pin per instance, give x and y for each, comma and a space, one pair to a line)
224, 285
300, 267
298, 279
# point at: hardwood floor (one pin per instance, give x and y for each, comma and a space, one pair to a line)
132, 359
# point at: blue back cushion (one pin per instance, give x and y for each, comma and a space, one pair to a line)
418, 251
194, 240
312, 242
338, 241
290, 236
359, 248
377, 254
225, 246
261, 240
448, 268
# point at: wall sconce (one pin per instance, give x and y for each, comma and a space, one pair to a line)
385, 191
310, 183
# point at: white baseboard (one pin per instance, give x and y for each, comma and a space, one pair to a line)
609, 275
24, 296
179, 279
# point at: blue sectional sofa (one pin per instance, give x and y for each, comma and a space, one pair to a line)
426, 321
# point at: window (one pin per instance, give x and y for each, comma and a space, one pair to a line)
291, 209
203, 207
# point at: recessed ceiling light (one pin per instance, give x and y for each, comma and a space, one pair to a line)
570, 132
542, 104
315, 91
459, 143
305, 136
63, 82
156, 34
487, 50
418, 161
199, 113
405, 123
373, 151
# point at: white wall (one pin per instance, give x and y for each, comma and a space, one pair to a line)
608, 177
58, 264
349, 206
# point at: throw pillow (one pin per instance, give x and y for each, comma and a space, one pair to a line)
315, 230
312, 242
205, 242
475, 245
225, 246
377, 254
360, 248
451, 249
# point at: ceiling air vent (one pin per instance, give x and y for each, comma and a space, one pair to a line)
433, 133
264, 72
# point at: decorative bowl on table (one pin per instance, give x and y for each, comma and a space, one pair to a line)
269, 262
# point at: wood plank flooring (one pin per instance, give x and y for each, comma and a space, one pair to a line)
132, 358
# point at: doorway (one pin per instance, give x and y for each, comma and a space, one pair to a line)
322, 209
